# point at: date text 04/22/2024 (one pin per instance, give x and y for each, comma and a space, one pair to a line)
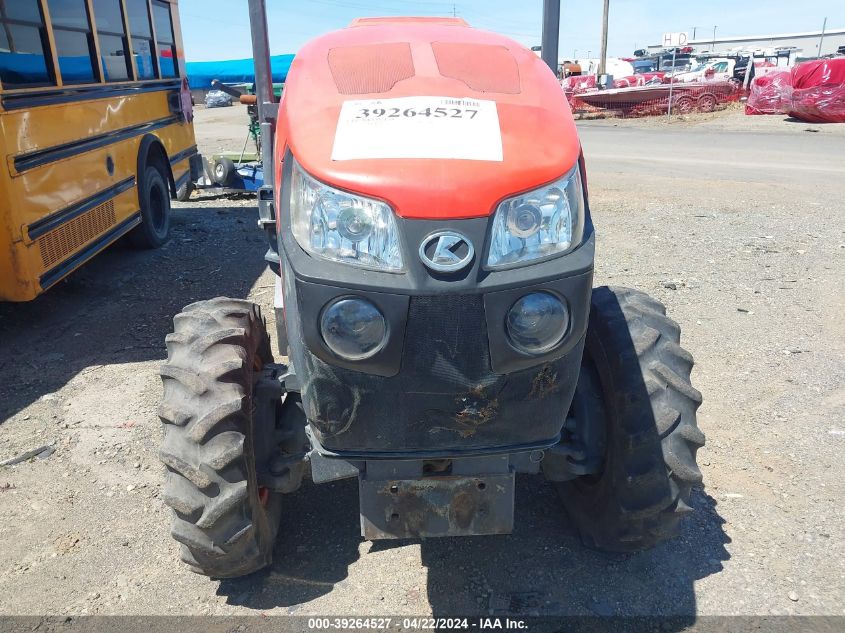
422, 623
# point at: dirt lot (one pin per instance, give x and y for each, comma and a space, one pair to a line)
737, 224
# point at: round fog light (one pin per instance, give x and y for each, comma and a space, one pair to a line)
354, 329
537, 322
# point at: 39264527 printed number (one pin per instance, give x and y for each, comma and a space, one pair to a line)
437, 113
420, 127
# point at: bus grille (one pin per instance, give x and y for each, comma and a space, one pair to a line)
62, 241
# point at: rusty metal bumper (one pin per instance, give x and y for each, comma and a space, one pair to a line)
416, 499
437, 506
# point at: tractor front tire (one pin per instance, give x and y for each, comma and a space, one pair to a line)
225, 523
648, 406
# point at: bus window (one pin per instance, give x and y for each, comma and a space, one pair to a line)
142, 37
74, 43
85, 167
23, 43
112, 36
23, 10
164, 35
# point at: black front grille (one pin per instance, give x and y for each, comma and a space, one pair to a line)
446, 341
445, 396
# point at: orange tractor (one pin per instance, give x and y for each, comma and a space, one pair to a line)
429, 226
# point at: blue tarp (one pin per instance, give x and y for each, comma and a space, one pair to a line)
16, 68
234, 71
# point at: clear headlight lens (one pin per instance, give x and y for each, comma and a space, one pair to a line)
541, 223
341, 226
353, 328
537, 322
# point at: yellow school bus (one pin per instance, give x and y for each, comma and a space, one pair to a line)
95, 133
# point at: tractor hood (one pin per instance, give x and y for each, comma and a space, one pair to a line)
438, 119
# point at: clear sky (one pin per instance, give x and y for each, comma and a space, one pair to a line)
219, 29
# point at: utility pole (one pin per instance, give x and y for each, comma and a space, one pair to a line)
603, 59
551, 34
268, 107
714, 39
454, 11
821, 39
693, 31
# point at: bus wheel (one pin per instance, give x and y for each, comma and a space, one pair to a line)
154, 196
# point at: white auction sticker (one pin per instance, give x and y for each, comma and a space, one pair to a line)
418, 127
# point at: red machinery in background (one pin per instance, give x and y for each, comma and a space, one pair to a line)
813, 91
818, 91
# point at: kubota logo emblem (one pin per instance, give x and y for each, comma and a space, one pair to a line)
446, 252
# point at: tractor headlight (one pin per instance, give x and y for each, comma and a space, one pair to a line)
341, 226
537, 322
538, 224
353, 328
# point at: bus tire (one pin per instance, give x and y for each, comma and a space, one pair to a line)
154, 199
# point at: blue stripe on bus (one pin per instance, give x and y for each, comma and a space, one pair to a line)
25, 162
31, 99
178, 157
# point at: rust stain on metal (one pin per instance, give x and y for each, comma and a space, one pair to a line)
462, 510
409, 510
476, 409
437, 506
544, 384
413, 506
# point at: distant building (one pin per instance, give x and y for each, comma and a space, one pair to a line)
808, 42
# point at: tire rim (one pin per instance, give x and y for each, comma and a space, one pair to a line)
707, 103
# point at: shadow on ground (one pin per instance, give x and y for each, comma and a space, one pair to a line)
119, 307
318, 540
541, 569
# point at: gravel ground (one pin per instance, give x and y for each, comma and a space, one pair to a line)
748, 259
